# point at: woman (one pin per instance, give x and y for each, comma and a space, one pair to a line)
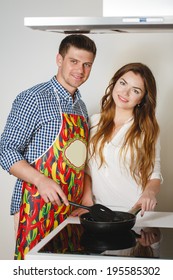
124, 149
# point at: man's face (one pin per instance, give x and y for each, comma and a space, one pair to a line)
74, 68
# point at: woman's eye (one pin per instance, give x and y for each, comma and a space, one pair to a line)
136, 91
122, 83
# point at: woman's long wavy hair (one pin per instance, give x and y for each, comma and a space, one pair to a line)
141, 137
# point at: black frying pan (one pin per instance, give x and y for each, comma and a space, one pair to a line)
124, 221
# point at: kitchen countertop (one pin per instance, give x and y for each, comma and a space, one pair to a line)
150, 219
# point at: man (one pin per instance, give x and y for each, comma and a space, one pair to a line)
44, 145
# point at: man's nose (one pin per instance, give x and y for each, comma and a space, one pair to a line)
80, 68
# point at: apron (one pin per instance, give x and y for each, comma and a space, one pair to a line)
63, 162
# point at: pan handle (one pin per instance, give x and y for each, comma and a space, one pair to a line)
135, 210
79, 205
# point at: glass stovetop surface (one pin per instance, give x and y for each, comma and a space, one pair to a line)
138, 242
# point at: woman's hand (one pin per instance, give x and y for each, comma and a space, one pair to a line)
148, 200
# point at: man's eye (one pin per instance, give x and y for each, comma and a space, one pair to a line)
87, 65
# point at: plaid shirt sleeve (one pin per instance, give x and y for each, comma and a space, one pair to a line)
21, 122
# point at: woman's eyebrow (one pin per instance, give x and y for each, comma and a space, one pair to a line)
133, 86
123, 80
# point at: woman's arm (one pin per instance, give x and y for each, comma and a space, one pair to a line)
148, 200
87, 198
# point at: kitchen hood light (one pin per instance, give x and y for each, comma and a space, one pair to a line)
143, 19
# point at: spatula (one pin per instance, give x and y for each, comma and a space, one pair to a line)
99, 212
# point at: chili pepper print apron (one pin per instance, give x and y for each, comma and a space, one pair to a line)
64, 163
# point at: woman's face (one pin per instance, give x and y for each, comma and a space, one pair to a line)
128, 91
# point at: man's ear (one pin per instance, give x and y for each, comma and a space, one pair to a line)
59, 59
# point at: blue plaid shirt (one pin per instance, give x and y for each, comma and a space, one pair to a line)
33, 124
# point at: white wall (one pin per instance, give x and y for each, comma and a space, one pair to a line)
137, 8
28, 57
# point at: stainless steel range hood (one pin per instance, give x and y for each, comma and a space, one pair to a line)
101, 25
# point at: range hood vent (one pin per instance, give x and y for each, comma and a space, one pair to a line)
101, 25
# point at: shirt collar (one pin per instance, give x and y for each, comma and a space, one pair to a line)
63, 92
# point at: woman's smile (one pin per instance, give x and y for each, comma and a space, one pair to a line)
122, 99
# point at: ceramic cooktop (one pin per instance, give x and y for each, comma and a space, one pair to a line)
139, 242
